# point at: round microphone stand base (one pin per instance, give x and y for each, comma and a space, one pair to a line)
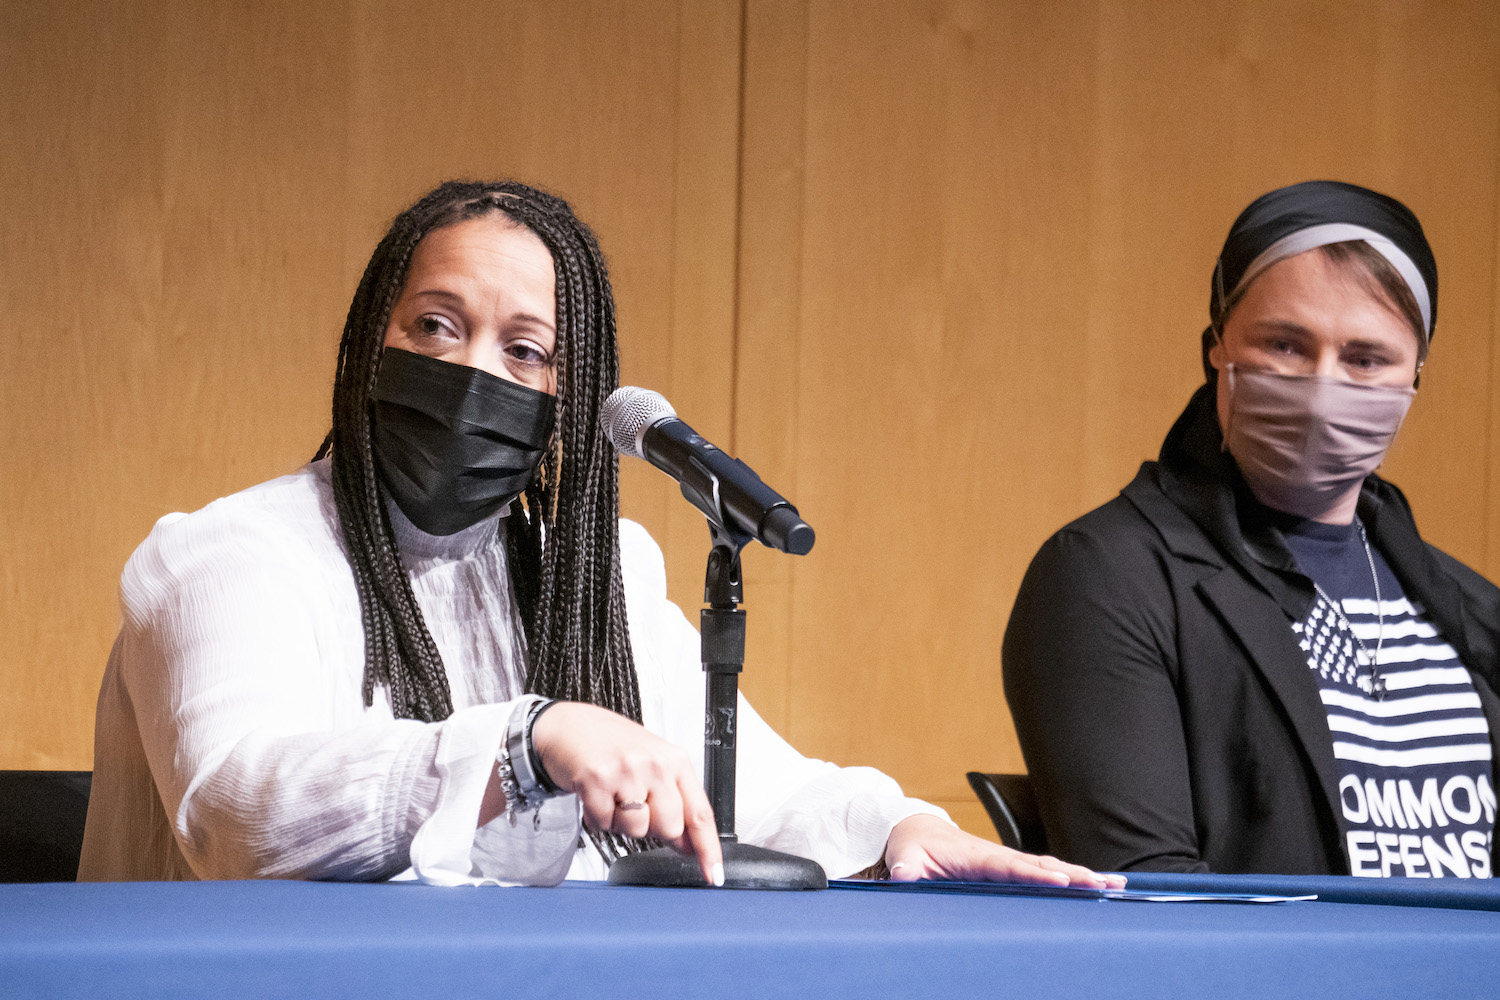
745, 867
722, 635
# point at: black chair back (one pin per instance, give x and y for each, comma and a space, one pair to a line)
41, 824
1011, 803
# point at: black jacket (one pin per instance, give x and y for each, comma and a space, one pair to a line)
1167, 715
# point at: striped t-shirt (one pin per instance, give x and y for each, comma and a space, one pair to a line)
1415, 780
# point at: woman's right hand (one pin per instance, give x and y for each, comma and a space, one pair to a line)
629, 780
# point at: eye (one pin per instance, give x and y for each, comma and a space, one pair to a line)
1367, 358
528, 354
433, 325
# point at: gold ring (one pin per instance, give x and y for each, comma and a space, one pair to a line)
629, 806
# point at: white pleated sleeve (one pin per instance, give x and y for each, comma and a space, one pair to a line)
232, 739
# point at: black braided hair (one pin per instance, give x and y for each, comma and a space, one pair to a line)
563, 543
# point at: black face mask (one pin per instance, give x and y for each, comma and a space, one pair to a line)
454, 444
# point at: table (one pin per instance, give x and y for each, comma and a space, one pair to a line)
295, 939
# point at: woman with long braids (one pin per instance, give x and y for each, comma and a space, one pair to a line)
436, 647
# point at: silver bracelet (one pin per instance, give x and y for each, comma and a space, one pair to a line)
515, 765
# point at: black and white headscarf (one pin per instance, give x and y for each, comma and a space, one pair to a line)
1295, 219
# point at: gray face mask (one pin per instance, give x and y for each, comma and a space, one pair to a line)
1303, 442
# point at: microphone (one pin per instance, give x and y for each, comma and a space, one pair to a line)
642, 424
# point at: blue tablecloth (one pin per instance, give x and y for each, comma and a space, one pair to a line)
292, 939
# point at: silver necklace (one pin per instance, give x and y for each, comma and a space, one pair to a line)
1377, 680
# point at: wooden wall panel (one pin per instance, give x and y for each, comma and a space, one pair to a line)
1008, 219
947, 180
171, 282
768, 326
191, 192
701, 335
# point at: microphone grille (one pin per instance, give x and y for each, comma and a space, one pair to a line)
626, 415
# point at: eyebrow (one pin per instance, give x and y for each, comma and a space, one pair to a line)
1286, 325
440, 293
1366, 345
535, 320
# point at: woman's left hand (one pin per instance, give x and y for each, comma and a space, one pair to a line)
926, 847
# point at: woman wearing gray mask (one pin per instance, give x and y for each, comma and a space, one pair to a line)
1250, 661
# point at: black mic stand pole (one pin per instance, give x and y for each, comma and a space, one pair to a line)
722, 633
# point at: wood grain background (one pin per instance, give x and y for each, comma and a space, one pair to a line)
935, 269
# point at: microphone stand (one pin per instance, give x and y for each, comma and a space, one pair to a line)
722, 633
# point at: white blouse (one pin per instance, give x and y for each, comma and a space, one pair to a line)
232, 739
